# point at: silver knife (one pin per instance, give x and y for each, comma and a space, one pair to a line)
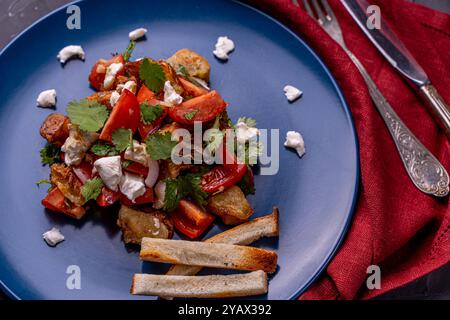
398, 55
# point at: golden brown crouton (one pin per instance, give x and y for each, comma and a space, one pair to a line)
55, 129
67, 182
196, 65
231, 206
138, 224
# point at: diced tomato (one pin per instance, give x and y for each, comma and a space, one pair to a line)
145, 95
83, 171
147, 197
108, 197
146, 129
126, 114
191, 89
137, 168
204, 108
224, 176
96, 77
55, 201
191, 220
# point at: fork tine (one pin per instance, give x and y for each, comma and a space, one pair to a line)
319, 11
328, 9
308, 8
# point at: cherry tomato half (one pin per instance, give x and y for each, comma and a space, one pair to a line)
107, 197
98, 71
203, 108
191, 220
147, 197
145, 95
126, 114
191, 89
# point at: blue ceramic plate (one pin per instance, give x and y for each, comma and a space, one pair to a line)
316, 194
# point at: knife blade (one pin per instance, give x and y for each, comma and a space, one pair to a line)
393, 49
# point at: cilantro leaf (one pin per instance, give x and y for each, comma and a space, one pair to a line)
160, 145
192, 182
150, 113
189, 115
128, 51
102, 149
171, 196
152, 74
50, 154
88, 115
92, 189
250, 122
122, 139
182, 187
43, 181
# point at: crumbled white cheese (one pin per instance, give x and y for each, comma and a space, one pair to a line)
77, 144
245, 133
160, 193
132, 186
69, 52
137, 33
202, 83
114, 97
110, 170
129, 85
138, 153
292, 93
295, 141
111, 73
224, 46
170, 95
53, 237
47, 98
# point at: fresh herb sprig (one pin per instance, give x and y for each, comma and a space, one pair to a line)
152, 74
88, 115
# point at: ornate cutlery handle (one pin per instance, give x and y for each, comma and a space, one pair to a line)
423, 168
438, 106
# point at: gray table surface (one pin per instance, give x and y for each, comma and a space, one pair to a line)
16, 15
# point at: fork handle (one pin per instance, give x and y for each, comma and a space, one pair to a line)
426, 172
437, 106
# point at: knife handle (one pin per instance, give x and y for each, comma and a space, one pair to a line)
437, 106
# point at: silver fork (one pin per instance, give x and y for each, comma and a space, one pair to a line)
425, 171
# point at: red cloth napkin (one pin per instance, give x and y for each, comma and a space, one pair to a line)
395, 226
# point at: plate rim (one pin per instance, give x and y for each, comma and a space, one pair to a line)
346, 109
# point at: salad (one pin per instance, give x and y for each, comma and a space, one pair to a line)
115, 149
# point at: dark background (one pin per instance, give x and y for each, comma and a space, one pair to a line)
16, 15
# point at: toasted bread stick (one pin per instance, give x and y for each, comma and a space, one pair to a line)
215, 286
215, 255
243, 234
